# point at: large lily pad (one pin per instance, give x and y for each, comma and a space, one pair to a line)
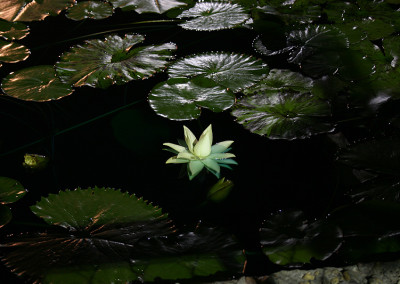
13, 31
230, 70
181, 99
90, 10
214, 15
12, 52
37, 83
283, 115
35, 10
288, 238
114, 60
147, 6
11, 190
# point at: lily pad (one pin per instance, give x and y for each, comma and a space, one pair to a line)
114, 60
27, 10
13, 31
90, 10
288, 238
12, 52
11, 190
85, 208
5, 215
282, 80
214, 15
37, 83
181, 99
284, 115
230, 70
147, 6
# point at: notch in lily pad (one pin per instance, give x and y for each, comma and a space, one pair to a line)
11, 191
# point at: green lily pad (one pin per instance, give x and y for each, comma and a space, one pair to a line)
11, 190
214, 15
282, 80
85, 208
147, 6
26, 10
283, 115
230, 70
37, 83
12, 52
181, 99
114, 60
90, 10
13, 31
5, 215
288, 238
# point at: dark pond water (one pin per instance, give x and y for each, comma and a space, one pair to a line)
112, 138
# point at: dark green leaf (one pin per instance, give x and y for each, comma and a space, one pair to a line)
27, 10
13, 31
283, 115
12, 52
37, 83
5, 215
230, 70
181, 99
90, 10
11, 190
114, 60
147, 6
214, 15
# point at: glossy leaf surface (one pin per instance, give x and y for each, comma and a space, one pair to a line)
114, 60
37, 83
214, 15
13, 31
230, 70
36, 10
12, 52
11, 190
147, 6
5, 215
181, 99
90, 10
283, 115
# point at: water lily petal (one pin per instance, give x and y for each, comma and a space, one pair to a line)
186, 155
175, 160
211, 165
190, 139
194, 168
221, 146
203, 147
219, 156
227, 161
176, 147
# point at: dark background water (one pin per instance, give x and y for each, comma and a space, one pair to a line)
124, 149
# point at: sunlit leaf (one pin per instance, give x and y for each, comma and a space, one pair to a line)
37, 83
147, 6
13, 31
85, 208
35, 161
214, 15
230, 70
283, 115
90, 10
288, 238
181, 99
114, 60
12, 52
11, 190
35, 10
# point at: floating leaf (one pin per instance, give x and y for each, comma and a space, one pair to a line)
27, 10
114, 60
12, 52
288, 238
37, 83
13, 31
181, 99
214, 15
230, 70
5, 215
85, 208
219, 191
283, 115
35, 161
11, 190
147, 6
90, 10
282, 80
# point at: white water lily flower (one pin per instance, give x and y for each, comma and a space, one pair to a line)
201, 153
